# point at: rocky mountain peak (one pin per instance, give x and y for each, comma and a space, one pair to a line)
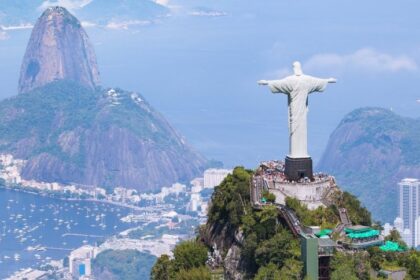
369, 152
59, 49
56, 12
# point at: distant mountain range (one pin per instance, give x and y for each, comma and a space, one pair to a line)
370, 151
70, 130
101, 12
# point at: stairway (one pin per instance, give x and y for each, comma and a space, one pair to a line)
344, 217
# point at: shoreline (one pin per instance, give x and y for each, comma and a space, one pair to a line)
115, 203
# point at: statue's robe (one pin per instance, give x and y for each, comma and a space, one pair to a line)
297, 89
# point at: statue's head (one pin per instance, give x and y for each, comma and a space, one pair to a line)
297, 68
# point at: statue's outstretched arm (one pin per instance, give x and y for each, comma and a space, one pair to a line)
332, 80
276, 86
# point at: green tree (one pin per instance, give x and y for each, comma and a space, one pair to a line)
350, 266
196, 273
162, 269
248, 223
324, 217
269, 272
357, 213
342, 267
376, 257
292, 269
267, 221
343, 271
248, 252
411, 261
230, 200
277, 249
189, 254
395, 236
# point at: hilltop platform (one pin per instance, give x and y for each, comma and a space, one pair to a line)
270, 176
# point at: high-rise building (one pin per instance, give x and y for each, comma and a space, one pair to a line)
409, 210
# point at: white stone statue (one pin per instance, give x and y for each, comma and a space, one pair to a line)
298, 87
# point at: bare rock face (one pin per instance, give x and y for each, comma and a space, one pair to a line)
225, 240
59, 49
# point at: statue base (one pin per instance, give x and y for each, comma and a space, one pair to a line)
298, 168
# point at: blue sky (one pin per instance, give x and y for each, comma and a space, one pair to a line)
198, 63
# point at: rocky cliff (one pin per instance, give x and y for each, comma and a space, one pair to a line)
58, 49
72, 131
369, 152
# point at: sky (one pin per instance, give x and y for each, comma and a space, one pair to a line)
199, 62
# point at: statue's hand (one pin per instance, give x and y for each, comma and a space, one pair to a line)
263, 82
332, 80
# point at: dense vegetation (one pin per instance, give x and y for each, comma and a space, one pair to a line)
188, 263
361, 265
267, 243
268, 249
123, 264
328, 217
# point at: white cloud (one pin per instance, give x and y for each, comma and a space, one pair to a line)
207, 13
365, 59
87, 24
68, 4
125, 25
17, 27
168, 4
162, 2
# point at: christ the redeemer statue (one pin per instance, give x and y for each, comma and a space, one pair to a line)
297, 87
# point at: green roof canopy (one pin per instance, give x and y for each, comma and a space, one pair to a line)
355, 229
365, 234
391, 247
324, 232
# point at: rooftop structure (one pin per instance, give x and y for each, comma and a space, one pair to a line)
360, 237
394, 274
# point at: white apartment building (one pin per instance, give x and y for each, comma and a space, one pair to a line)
409, 211
213, 177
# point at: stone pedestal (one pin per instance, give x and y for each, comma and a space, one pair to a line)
298, 168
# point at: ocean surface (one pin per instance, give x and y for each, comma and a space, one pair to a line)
35, 229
